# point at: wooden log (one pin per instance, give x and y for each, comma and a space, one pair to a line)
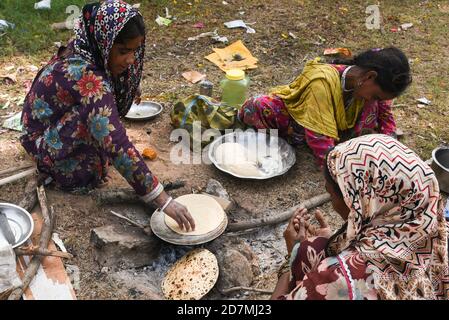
33, 251
15, 169
17, 176
29, 200
276, 218
46, 232
127, 195
233, 289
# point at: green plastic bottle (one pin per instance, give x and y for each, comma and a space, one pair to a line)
234, 88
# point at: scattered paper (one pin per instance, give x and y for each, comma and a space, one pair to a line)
406, 26
213, 35
424, 101
14, 123
193, 76
163, 21
43, 5
234, 56
239, 24
5, 25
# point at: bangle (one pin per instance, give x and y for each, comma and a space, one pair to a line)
166, 203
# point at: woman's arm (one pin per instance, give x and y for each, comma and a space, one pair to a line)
319, 144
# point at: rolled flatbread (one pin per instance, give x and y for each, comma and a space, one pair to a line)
206, 212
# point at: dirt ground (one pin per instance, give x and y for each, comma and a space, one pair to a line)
281, 58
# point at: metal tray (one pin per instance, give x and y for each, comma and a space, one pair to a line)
162, 231
146, 110
20, 222
257, 143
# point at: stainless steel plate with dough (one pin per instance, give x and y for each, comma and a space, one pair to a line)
144, 111
162, 231
274, 155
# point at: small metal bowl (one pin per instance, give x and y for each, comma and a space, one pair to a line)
440, 165
20, 222
146, 110
257, 143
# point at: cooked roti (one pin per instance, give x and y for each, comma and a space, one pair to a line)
192, 276
206, 212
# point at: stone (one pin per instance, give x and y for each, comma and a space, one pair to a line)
237, 262
216, 189
235, 270
124, 246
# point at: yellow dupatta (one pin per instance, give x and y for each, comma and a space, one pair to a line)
315, 100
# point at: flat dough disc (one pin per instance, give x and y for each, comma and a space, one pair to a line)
206, 212
233, 156
192, 276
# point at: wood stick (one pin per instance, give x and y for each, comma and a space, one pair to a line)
15, 169
33, 251
29, 200
127, 195
128, 220
17, 176
280, 217
233, 289
46, 232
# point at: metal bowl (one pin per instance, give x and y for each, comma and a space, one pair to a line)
440, 165
146, 110
20, 222
277, 161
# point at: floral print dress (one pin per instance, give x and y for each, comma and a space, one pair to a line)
71, 116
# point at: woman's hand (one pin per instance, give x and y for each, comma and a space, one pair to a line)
181, 215
176, 211
312, 231
293, 235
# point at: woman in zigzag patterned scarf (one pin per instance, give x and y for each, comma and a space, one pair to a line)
394, 242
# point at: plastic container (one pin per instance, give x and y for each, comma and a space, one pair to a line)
234, 88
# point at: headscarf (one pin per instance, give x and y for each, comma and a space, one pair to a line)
95, 34
315, 100
395, 221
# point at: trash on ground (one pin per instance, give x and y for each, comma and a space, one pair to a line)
149, 153
338, 51
11, 78
213, 35
406, 26
291, 34
14, 122
43, 5
136, 5
193, 76
234, 56
161, 21
239, 24
199, 25
424, 101
5, 25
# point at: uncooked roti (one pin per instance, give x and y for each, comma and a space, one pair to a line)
192, 276
236, 158
206, 212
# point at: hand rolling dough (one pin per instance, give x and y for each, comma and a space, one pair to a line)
206, 212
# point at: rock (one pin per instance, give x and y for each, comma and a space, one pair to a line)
216, 189
237, 262
235, 270
129, 247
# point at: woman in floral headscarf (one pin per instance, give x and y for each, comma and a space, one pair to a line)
393, 244
72, 113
